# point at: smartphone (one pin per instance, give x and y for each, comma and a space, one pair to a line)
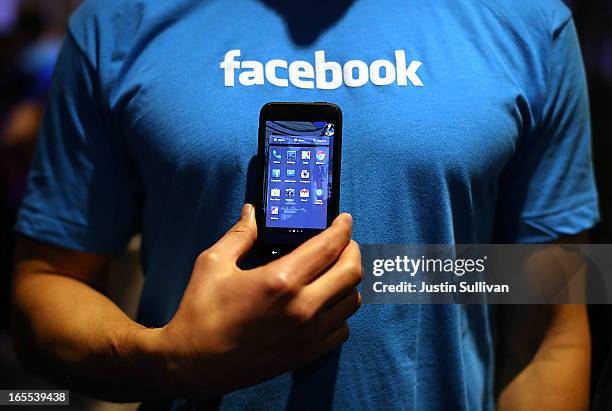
299, 154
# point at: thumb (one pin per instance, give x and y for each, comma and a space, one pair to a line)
240, 238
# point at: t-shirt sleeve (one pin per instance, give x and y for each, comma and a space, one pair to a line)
81, 191
548, 188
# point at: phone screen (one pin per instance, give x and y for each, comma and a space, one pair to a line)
298, 170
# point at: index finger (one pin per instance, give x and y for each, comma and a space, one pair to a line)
307, 261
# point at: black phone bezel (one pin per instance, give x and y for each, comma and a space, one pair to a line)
284, 238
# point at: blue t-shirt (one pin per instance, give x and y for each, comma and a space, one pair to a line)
464, 122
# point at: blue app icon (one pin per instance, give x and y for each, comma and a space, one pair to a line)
276, 173
276, 155
290, 172
291, 155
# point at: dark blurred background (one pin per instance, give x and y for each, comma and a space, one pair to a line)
31, 32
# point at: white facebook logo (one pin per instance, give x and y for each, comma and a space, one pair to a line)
302, 74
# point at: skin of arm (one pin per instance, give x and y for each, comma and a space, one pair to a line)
544, 354
252, 324
63, 325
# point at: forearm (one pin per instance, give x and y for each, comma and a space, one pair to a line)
74, 335
557, 377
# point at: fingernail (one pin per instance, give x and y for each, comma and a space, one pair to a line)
246, 210
346, 216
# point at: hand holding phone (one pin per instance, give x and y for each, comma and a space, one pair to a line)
256, 324
299, 173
